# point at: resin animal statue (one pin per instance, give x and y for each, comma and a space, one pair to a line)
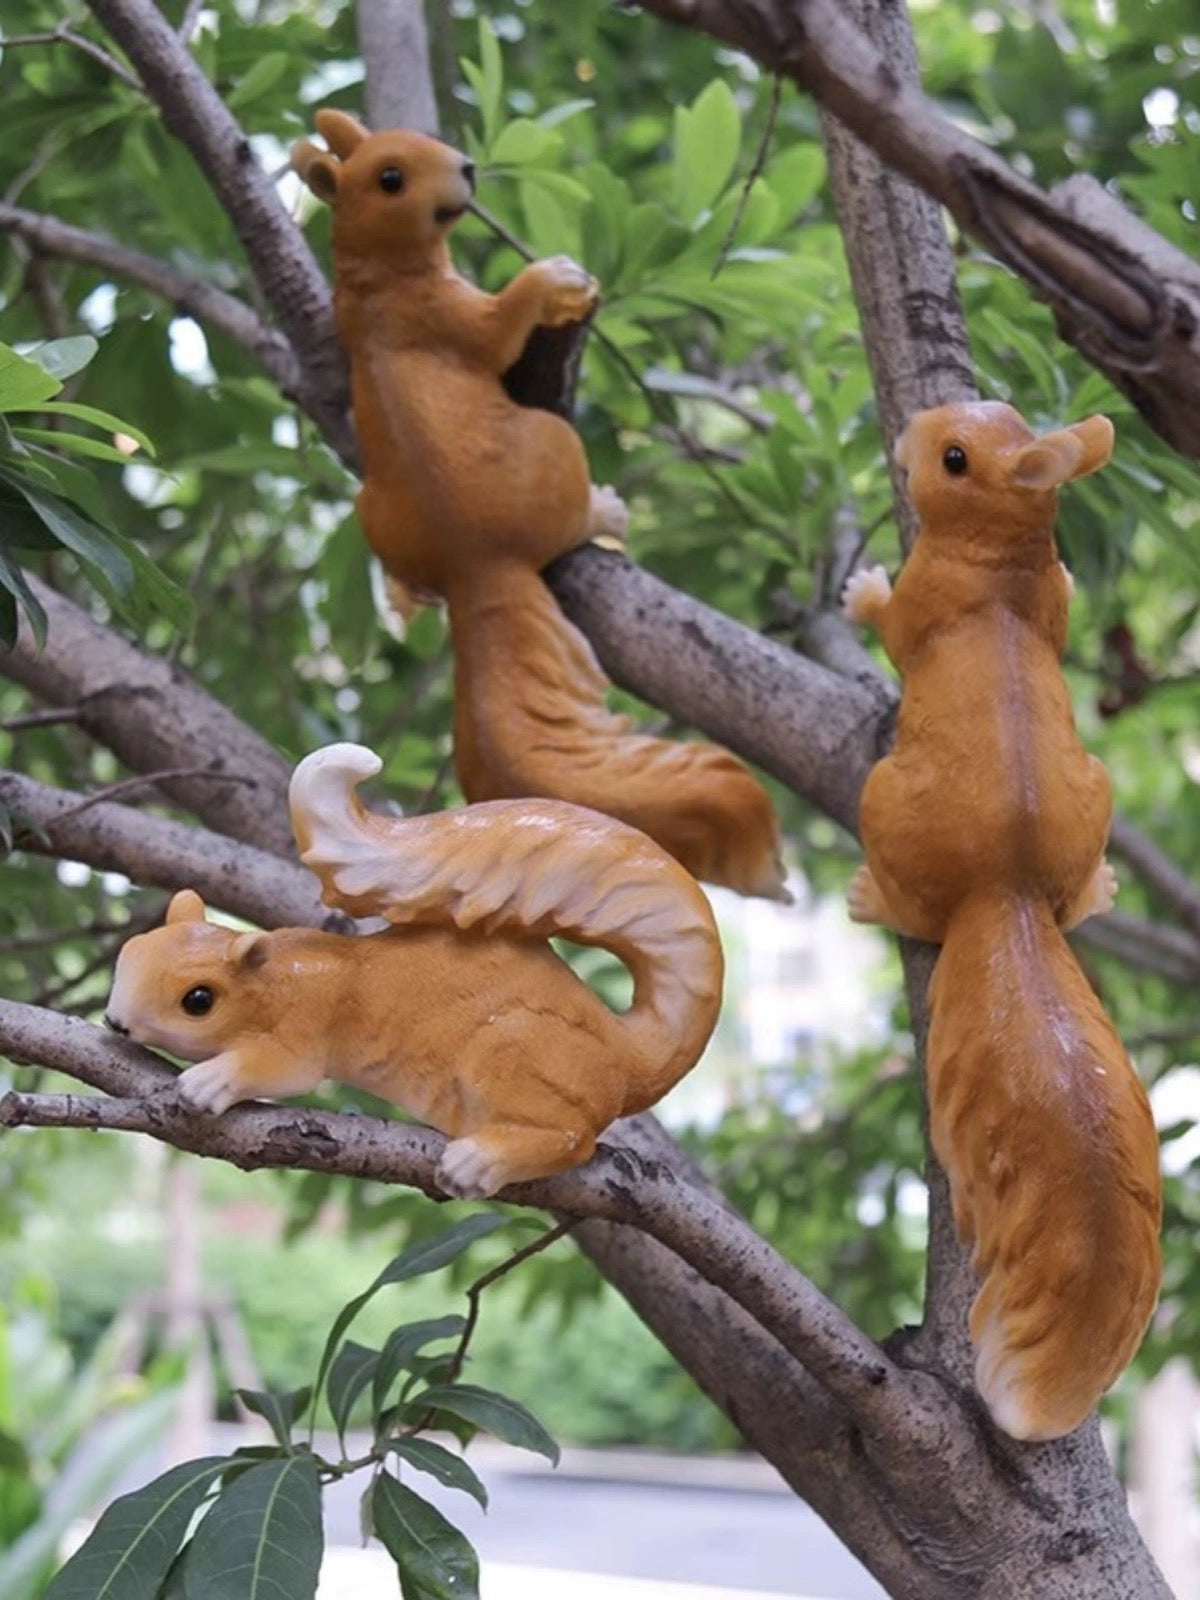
984, 830
461, 1012
467, 495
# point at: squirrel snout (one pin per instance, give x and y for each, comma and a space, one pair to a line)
117, 1027
468, 172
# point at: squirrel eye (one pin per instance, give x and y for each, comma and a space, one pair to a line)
955, 460
198, 1002
391, 180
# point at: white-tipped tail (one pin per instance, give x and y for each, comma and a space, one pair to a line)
532, 868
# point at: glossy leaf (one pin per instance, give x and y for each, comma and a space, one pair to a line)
262, 1537
495, 1412
434, 1560
451, 1470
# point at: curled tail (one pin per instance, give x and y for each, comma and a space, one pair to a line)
1046, 1135
530, 869
531, 719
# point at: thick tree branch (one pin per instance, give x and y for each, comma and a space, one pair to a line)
156, 851
1158, 872
616, 1186
277, 252
154, 716
1122, 294
394, 42
204, 301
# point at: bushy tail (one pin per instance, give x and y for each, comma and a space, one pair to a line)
1046, 1135
531, 719
535, 869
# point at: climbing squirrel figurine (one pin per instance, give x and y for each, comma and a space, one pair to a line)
461, 1013
467, 496
984, 830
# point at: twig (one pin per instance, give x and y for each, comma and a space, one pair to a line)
1158, 871
187, 23
50, 717
65, 34
475, 1291
147, 780
756, 169
201, 300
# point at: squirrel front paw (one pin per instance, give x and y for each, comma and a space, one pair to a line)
570, 291
211, 1086
608, 518
865, 595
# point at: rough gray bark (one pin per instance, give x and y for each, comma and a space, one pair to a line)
1128, 300
392, 35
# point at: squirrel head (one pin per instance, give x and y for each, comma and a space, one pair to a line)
189, 987
980, 468
395, 194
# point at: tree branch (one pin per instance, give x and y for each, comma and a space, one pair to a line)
198, 299
1126, 298
616, 1186
1157, 871
64, 34
151, 850
394, 42
277, 251
154, 716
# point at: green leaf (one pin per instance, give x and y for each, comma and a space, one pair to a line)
131, 1548
488, 80
496, 1412
23, 384
63, 358
442, 1464
707, 137
427, 1255
15, 581
98, 419
76, 534
262, 1537
402, 1344
434, 1560
261, 77
352, 1370
280, 1408
520, 142
77, 444
795, 176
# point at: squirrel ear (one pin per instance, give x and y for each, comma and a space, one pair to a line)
341, 132
1046, 462
1068, 453
318, 169
186, 906
248, 951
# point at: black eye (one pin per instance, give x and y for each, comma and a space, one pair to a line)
955, 460
391, 180
198, 1002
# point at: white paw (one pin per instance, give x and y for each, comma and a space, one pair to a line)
1070, 579
608, 518
468, 1172
571, 290
865, 590
862, 898
211, 1086
1104, 889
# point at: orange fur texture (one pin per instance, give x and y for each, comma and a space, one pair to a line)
467, 495
984, 830
461, 1013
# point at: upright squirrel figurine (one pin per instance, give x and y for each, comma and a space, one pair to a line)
984, 831
462, 1013
468, 495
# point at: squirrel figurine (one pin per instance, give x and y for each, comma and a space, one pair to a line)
984, 830
467, 496
461, 1013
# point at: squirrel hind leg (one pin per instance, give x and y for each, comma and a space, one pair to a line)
608, 518
477, 1165
866, 903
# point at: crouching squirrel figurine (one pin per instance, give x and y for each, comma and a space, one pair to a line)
984, 830
467, 495
461, 1013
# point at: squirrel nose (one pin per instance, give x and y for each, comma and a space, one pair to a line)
111, 1022
468, 172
